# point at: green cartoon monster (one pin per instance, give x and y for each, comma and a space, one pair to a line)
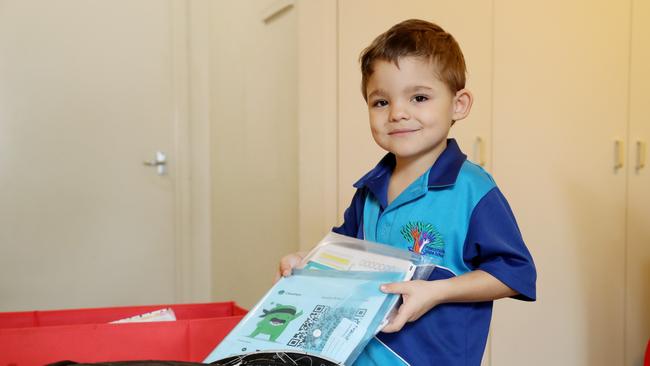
275, 321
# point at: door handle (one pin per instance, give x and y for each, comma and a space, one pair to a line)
640, 155
619, 154
160, 163
479, 151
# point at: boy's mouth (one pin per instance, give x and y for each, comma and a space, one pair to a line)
402, 131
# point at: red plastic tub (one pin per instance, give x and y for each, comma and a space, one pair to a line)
84, 335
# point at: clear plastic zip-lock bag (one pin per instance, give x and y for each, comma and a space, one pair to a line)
327, 311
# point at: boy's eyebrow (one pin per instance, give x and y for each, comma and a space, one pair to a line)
410, 89
415, 88
376, 92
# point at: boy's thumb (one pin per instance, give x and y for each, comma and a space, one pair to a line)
391, 288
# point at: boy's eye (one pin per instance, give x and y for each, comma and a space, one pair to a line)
380, 103
420, 98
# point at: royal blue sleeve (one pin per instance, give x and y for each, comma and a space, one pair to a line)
494, 244
353, 217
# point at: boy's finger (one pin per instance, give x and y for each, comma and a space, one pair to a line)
393, 288
396, 324
285, 268
288, 262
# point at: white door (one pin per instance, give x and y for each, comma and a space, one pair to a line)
86, 95
560, 102
637, 289
254, 59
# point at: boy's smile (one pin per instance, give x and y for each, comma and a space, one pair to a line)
411, 110
402, 131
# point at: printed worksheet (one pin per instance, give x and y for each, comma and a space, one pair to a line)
344, 258
343, 253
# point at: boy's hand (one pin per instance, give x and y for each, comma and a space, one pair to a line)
287, 263
421, 296
418, 297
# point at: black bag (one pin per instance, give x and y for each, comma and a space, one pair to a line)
253, 359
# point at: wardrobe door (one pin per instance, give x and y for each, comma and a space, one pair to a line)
360, 21
637, 309
560, 105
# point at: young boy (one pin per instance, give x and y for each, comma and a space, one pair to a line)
426, 197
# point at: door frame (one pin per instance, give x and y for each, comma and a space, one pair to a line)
192, 183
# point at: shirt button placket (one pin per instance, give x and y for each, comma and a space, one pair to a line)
385, 226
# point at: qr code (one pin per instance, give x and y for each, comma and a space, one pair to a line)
298, 339
323, 326
360, 313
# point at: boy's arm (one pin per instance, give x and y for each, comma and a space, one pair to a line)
501, 266
421, 296
494, 245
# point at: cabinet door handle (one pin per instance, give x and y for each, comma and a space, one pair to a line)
618, 154
640, 155
479, 151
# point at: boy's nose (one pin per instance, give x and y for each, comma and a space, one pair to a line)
398, 113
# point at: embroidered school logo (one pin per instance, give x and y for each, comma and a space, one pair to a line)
424, 238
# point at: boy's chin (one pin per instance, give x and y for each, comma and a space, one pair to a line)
407, 155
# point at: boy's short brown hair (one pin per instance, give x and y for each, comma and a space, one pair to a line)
417, 38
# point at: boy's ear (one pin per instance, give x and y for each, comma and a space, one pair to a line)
462, 104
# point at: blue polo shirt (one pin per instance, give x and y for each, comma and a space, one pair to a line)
456, 215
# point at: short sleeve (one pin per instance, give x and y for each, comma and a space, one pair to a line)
494, 244
353, 217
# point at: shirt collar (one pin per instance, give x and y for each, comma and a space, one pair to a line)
443, 173
446, 168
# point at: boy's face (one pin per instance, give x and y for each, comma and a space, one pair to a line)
411, 110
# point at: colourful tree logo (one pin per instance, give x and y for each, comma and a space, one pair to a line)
425, 239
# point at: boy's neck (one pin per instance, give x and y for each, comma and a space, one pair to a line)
408, 169
415, 166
